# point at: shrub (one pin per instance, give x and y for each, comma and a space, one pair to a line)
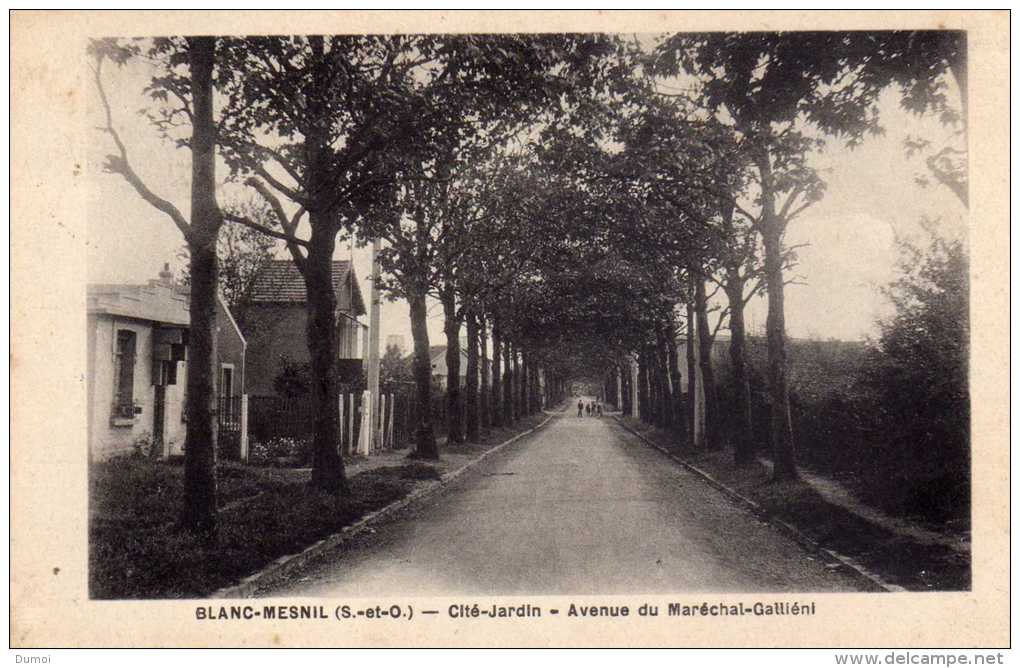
916, 382
294, 379
295, 451
229, 445
890, 418
143, 445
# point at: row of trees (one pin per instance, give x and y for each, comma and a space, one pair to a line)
341, 133
566, 197
728, 156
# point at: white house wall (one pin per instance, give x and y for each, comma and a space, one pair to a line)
107, 440
176, 428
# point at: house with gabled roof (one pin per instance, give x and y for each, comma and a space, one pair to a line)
274, 323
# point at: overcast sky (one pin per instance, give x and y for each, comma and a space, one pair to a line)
871, 197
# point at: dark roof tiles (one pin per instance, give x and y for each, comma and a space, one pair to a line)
281, 281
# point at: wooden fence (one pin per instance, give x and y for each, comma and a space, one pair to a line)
275, 417
231, 423
405, 413
257, 419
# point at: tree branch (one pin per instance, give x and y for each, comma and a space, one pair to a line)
718, 325
241, 220
791, 198
280, 159
799, 210
289, 225
119, 164
291, 193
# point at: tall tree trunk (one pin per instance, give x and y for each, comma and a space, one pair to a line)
536, 387
705, 362
321, 326
522, 384
497, 375
635, 392
676, 408
519, 409
199, 510
694, 435
471, 383
643, 398
425, 438
527, 366
625, 389
327, 466
743, 446
666, 388
618, 378
772, 228
621, 390
485, 391
669, 381
451, 327
509, 412
654, 385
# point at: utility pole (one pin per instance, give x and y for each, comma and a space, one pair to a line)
373, 348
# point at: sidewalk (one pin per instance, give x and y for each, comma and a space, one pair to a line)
898, 551
836, 494
451, 457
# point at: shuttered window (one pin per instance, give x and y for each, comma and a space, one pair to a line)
124, 387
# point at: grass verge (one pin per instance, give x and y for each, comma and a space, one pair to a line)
137, 551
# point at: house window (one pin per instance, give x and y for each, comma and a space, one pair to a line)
164, 372
124, 374
226, 381
226, 391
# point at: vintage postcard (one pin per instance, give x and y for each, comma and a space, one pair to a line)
503, 329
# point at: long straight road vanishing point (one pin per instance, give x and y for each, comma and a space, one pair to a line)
581, 507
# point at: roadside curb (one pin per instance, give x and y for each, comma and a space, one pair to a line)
765, 515
247, 587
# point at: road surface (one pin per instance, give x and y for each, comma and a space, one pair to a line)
580, 507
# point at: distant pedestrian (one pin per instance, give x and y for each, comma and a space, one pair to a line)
587, 409
580, 408
598, 407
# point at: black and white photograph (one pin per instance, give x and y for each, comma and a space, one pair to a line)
526, 327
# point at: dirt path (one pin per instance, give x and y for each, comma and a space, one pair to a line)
838, 495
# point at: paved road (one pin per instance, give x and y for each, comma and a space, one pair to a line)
581, 507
